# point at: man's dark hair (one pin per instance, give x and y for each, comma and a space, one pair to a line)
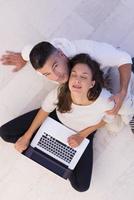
40, 53
64, 96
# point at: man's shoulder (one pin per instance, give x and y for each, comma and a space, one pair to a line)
65, 45
65, 41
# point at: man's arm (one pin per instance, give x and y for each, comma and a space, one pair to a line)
17, 59
107, 55
13, 58
125, 73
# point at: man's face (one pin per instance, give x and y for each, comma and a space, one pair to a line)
56, 67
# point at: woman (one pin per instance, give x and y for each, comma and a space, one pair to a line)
79, 104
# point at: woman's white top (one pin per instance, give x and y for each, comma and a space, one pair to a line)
81, 117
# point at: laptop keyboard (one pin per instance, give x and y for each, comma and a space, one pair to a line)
56, 148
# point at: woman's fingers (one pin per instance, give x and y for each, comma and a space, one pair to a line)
21, 144
72, 142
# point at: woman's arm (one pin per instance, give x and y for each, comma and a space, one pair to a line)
87, 131
76, 139
23, 142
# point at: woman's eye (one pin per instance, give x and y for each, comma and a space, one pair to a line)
83, 77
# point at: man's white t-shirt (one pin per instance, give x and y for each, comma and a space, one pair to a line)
104, 53
81, 117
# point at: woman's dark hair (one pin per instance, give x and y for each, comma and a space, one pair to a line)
64, 96
40, 53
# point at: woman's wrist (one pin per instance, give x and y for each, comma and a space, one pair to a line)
81, 134
28, 135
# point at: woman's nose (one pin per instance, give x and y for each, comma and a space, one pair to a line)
77, 79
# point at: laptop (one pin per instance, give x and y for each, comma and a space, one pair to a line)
50, 149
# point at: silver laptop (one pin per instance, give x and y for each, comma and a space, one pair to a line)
51, 143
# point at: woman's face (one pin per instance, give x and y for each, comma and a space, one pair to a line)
80, 80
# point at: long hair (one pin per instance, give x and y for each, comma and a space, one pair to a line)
64, 95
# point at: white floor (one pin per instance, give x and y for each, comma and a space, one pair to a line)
30, 22
113, 173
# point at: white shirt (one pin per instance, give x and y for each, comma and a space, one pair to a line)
104, 53
81, 117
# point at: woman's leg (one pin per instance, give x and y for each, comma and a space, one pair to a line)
81, 175
13, 130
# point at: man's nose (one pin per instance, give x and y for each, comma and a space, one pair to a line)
57, 73
56, 76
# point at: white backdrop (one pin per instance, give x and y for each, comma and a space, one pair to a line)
32, 21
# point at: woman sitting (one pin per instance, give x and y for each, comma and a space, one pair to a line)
79, 104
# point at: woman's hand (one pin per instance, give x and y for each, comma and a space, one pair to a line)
22, 143
75, 140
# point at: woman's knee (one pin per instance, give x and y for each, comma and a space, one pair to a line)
5, 135
81, 188
80, 185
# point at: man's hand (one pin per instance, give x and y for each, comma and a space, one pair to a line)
13, 58
118, 99
75, 140
22, 144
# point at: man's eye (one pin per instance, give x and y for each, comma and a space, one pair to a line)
73, 75
46, 74
56, 65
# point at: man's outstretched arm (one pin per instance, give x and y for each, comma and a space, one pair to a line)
13, 58
17, 59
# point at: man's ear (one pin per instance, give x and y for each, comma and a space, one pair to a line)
61, 52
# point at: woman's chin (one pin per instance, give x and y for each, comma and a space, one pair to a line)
76, 90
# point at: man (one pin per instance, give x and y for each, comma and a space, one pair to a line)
51, 60
62, 49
